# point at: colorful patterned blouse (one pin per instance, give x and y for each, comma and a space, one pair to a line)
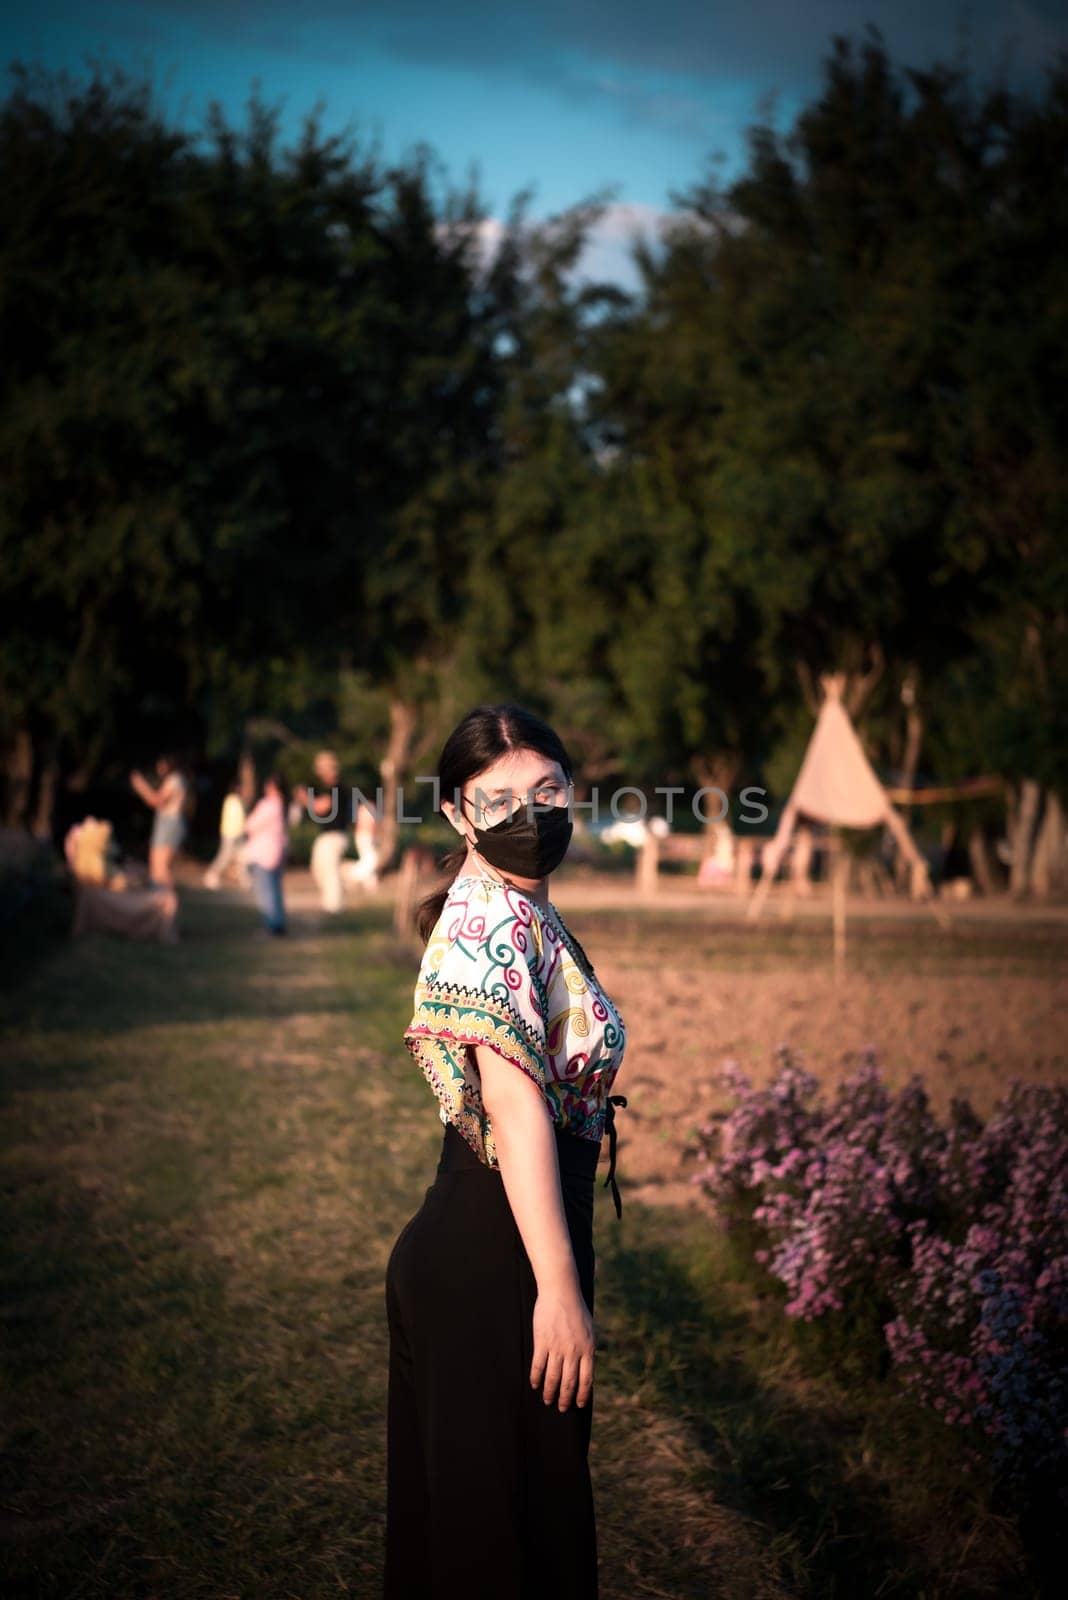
500, 971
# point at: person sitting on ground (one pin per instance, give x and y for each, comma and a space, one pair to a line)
104, 899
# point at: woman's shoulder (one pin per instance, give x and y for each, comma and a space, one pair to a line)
481, 915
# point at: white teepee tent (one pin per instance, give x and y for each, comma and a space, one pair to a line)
836, 785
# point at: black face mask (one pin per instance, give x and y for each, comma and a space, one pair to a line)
527, 845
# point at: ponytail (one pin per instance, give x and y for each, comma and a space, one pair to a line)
429, 910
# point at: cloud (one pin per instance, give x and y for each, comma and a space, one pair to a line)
608, 256
688, 68
685, 114
772, 42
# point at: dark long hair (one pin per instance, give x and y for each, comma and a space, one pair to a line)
485, 735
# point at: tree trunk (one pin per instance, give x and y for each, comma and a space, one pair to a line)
1022, 836
859, 685
1048, 864
393, 767
44, 810
19, 776
92, 745
801, 860
246, 777
719, 771
982, 868
808, 688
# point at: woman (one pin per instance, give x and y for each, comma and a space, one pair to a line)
265, 853
231, 833
489, 1287
168, 826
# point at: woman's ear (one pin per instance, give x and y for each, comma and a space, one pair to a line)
449, 810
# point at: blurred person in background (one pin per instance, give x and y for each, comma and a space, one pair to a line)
330, 809
364, 870
168, 801
265, 853
231, 833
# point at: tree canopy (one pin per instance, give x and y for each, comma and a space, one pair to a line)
285, 435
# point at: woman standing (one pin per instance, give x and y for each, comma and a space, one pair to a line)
168, 826
490, 1286
265, 853
231, 833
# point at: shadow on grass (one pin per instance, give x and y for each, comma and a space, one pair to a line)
674, 1336
194, 1329
175, 1432
217, 972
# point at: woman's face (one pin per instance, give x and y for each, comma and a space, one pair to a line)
494, 794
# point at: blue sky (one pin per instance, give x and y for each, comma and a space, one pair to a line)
566, 96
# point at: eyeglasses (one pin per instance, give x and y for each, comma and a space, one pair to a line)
496, 806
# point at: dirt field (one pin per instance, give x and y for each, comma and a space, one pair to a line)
967, 1009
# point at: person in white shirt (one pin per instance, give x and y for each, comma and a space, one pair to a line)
167, 800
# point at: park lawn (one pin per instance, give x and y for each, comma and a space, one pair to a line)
208, 1151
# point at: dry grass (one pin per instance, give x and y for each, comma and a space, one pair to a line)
208, 1152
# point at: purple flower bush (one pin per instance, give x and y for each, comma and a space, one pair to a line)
956, 1237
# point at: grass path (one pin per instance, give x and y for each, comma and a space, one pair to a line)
208, 1151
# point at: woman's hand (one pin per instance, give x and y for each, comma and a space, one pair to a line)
139, 782
563, 1348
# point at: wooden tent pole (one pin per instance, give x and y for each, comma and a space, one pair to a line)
770, 860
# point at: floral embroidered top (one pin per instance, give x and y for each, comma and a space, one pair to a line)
500, 971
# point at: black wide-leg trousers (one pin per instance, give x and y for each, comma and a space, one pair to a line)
488, 1488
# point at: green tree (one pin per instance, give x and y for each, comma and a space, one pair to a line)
246, 410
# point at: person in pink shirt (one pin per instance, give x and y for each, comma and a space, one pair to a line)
265, 852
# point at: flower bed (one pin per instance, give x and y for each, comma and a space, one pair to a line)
952, 1240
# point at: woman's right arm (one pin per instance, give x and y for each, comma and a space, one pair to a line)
151, 797
530, 1171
